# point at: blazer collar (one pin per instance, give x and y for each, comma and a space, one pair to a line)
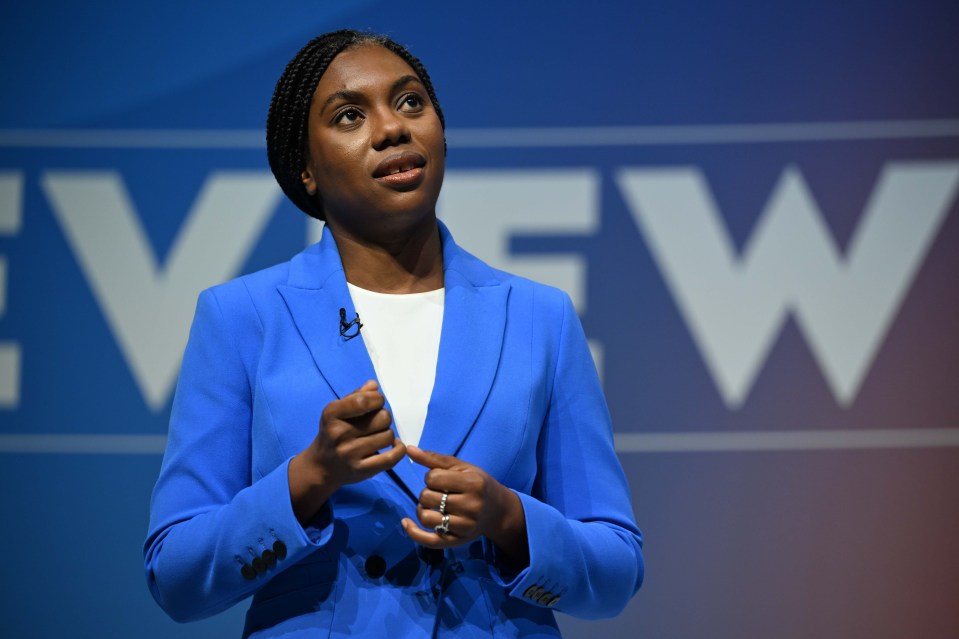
471, 341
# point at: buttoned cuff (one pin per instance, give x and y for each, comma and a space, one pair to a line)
276, 539
542, 583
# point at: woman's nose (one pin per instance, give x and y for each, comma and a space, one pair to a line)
391, 129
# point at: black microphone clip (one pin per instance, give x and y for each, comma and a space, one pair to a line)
346, 326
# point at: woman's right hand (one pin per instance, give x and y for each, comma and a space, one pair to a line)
345, 450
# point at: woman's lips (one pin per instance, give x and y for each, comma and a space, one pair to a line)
400, 169
403, 178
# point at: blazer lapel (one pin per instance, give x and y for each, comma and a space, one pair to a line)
314, 295
471, 343
474, 323
343, 363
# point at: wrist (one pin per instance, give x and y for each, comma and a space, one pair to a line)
508, 532
514, 519
310, 486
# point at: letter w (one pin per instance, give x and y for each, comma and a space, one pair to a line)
735, 308
149, 308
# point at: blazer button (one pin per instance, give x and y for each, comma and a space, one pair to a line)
269, 557
553, 601
259, 565
248, 572
545, 597
279, 548
375, 566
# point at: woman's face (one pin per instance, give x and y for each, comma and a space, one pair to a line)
376, 145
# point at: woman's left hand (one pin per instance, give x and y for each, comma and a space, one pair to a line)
477, 505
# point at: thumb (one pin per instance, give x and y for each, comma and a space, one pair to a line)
430, 459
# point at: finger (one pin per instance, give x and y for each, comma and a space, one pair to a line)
371, 422
354, 405
458, 526
341, 431
430, 498
421, 514
391, 447
370, 384
365, 445
383, 461
430, 539
447, 481
432, 460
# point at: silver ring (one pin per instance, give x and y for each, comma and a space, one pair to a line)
444, 526
443, 503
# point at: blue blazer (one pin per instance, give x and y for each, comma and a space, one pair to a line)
516, 393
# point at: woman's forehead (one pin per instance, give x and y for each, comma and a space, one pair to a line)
364, 67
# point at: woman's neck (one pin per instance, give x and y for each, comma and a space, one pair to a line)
411, 263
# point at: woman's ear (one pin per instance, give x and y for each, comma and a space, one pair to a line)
308, 181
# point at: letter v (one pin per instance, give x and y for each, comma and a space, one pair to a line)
150, 308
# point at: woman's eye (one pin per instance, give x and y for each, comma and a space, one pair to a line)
348, 116
412, 102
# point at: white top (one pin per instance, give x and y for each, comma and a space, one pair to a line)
402, 336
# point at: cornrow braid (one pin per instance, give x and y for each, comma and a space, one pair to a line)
287, 127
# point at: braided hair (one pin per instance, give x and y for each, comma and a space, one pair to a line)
287, 128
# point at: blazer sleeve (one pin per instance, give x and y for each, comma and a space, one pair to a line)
210, 518
585, 548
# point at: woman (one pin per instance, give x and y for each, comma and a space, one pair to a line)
494, 499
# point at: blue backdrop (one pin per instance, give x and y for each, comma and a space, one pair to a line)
753, 205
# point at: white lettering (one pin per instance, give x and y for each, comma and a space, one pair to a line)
150, 308
735, 308
484, 209
11, 219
